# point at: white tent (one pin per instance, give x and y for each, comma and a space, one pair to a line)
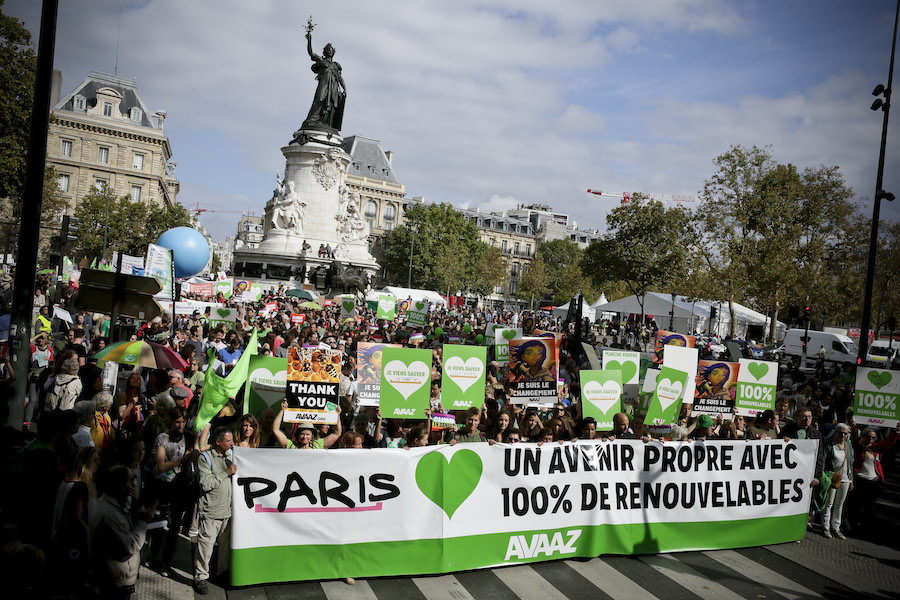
563, 309
691, 316
402, 293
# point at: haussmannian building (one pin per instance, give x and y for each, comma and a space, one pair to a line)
102, 134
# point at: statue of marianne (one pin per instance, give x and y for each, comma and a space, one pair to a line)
327, 110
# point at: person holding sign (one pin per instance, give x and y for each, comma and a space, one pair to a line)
303, 437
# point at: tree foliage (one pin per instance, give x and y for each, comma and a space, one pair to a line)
535, 282
771, 234
446, 252
18, 63
646, 248
129, 226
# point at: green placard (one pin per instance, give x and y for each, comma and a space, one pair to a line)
225, 287
601, 396
463, 378
877, 398
265, 384
405, 383
665, 405
417, 314
387, 307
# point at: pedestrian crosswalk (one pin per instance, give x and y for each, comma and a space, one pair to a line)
744, 574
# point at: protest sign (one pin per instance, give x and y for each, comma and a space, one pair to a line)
665, 404
670, 338
159, 264
348, 308
601, 396
387, 308
224, 287
629, 363
502, 337
716, 386
266, 385
312, 393
368, 371
441, 509
417, 315
129, 263
877, 399
405, 383
443, 422
684, 360
222, 315
298, 319
416, 338
463, 379
756, 384
532, 370
270, 306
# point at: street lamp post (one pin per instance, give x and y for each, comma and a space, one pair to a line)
885, 106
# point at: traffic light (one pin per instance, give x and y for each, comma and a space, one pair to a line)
807, 312
713, 311
892, 324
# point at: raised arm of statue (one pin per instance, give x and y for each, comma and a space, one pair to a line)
309, 49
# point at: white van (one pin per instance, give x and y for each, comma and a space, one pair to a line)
838, 348
879, 355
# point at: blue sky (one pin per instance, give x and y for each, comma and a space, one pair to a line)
501, 102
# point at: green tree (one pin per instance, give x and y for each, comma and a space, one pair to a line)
216, 264
18, 63
535, 282
770, 233
489, 270
129, 226
646, 247
442, 240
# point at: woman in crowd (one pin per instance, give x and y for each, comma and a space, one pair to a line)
131, 397
531, 427
588, 428
498, 427
351, 439
868, 473
248, 432
71, 518
839, 460
102, 431
174, 456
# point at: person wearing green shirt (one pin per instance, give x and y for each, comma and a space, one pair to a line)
305, 437
470, 433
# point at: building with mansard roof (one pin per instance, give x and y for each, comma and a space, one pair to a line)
102, 134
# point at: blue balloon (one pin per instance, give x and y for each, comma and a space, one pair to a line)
189, 247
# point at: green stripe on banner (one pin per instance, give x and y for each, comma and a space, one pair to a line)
418, 557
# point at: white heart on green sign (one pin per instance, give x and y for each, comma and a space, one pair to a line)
602, 395
407, 379
668, 392
463, 374
269, 386
386, 305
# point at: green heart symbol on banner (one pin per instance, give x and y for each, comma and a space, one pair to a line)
448, 484
420, 305
348, 306
223, 312
629, 369
758, 370
509, 333
880, 378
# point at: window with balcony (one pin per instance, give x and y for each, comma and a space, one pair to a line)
516, 247
390, 212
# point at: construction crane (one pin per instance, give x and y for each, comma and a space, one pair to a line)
196, 210
625, 198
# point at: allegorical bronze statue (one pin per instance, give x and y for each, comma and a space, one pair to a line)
327, 110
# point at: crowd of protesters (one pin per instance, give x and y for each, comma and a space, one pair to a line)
109, 474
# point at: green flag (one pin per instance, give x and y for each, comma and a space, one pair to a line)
94, 264
218, 390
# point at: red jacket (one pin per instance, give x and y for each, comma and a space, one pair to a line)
877, 448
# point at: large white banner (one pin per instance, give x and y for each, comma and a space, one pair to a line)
364, 513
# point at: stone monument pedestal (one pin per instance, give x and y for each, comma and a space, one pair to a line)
313, 188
